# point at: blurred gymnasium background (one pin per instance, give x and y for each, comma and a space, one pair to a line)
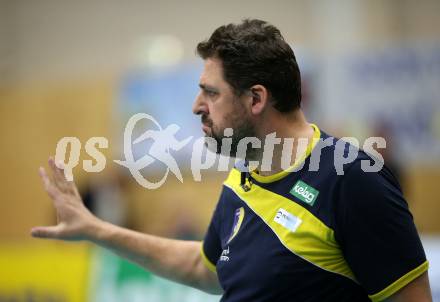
82, 68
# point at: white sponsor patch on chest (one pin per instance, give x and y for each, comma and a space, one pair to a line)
287, 220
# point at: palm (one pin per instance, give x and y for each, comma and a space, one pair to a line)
72, 216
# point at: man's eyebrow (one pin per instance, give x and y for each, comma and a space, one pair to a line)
208, 88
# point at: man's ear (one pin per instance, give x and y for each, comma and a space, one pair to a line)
260, 99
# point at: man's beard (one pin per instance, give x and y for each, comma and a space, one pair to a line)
242, 128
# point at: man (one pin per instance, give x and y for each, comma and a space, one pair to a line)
277, 235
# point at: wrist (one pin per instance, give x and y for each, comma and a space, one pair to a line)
97, 231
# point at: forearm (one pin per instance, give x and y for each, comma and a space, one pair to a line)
177, 260
173, 259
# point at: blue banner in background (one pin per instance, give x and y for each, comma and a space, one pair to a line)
395, 88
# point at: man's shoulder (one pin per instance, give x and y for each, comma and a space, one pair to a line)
342, 155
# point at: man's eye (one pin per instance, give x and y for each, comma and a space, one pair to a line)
211, 93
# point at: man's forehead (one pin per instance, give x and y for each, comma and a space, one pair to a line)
212, 73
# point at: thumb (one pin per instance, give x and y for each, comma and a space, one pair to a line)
46, 231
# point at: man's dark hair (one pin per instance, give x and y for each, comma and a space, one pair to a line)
254, 52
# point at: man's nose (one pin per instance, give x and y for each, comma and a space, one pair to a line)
199, 107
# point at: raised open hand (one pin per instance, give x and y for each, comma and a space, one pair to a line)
74, 221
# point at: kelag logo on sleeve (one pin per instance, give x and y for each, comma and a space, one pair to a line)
304, 192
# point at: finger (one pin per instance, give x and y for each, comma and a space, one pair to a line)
52, 232
60, 178
46, 182
68, 185
52, 168
75, 190
58, 173
44, 177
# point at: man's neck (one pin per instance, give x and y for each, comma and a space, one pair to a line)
285, 125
